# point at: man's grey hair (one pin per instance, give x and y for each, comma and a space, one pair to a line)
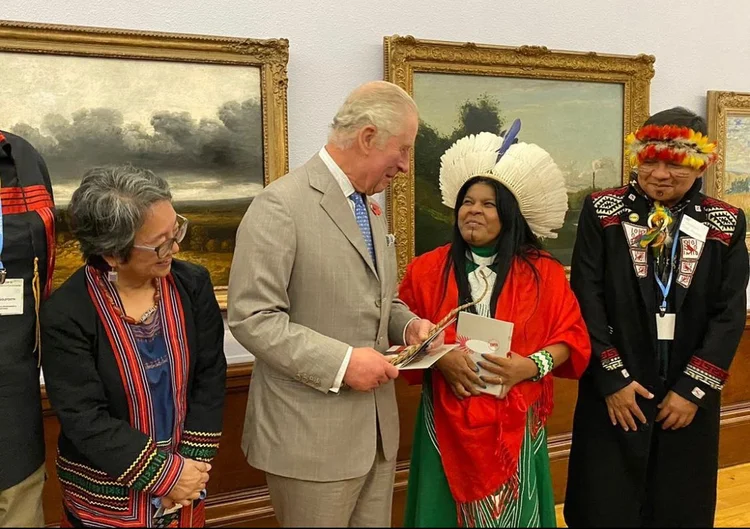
378, 103
110, 206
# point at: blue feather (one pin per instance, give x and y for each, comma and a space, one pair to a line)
509, 138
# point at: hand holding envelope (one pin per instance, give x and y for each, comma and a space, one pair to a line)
487, 342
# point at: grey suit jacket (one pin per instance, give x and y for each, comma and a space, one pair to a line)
302, 289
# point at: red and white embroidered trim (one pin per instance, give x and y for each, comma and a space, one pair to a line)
611, 360
706, 372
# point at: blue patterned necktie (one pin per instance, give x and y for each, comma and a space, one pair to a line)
363, 220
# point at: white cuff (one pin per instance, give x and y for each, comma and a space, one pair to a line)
406, 327
342, 371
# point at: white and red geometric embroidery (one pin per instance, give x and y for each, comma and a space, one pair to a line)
611, 360
690, 251
638, 256
609, 205
703, 371
633, 234
688, 267
721, 219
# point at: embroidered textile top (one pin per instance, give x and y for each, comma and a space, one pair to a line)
149, 340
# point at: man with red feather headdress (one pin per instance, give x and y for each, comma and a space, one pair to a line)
660, 271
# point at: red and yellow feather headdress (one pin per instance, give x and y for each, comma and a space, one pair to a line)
671, 144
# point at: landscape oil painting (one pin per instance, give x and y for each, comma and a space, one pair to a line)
206, 143
208, 115
728, 116
578, 106
578, 123
737, 161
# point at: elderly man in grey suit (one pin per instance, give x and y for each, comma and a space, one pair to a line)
312, 296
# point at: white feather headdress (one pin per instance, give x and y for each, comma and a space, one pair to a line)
526, 169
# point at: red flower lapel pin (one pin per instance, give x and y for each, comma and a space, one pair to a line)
375, 207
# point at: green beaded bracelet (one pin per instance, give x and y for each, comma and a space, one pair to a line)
544, 363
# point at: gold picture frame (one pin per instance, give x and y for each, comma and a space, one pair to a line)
406, 57
728, 116
196, 71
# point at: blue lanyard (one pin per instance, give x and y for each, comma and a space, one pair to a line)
665, 289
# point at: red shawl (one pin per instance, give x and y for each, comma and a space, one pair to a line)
480, 437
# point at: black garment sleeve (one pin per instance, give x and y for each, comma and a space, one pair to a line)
587, 281
708, 368
203, 423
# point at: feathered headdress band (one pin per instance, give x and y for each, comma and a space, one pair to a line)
671, 144
525, 169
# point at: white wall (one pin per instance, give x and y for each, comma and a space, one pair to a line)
337, 44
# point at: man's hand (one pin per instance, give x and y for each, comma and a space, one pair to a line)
676, 411
368, 369
461, 373
623, 408
419, 330
191, 482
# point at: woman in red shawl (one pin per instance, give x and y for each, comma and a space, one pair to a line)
478, 460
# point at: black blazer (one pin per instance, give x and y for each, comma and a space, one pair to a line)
610, 470
87, 392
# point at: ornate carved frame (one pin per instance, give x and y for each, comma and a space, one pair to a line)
270, 56
406, 55
720, 106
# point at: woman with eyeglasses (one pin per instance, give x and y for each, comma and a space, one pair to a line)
133, 362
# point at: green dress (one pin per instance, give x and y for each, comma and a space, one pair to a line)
429, 502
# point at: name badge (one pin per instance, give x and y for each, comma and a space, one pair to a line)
693, 228
11, 297
665, 326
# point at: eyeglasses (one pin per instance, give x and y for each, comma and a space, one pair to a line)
165, 248
678, 171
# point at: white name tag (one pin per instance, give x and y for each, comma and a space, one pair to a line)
665, 326
11, 297
692, 227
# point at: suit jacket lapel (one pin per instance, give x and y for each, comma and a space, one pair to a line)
336, 205
378, 239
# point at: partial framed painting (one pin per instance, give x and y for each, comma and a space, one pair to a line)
577, 106
729, 125
207, 113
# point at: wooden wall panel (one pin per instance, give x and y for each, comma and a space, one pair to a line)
238, 496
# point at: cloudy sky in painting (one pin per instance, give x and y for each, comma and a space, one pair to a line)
199, 125
43, 84
576, 122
